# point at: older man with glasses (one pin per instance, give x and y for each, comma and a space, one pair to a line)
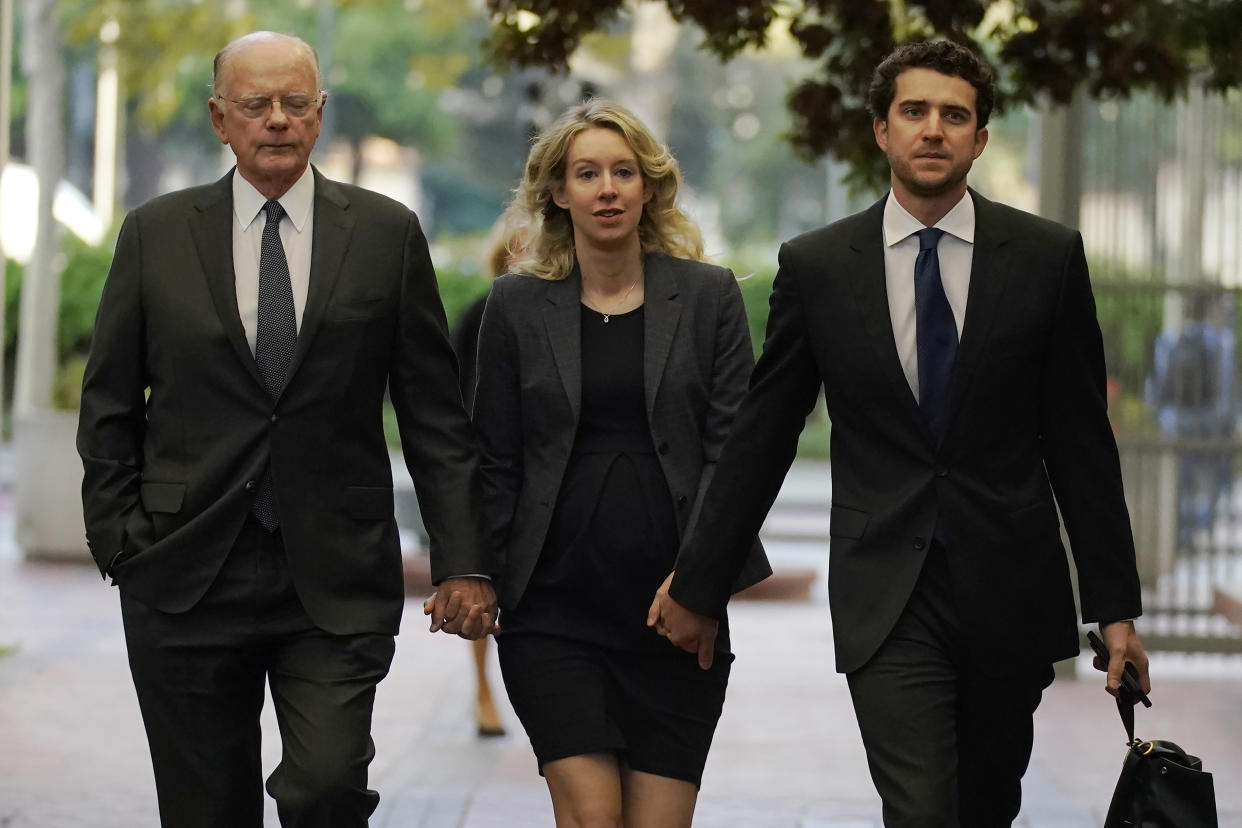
238, 488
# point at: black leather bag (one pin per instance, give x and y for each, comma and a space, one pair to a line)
1161, 786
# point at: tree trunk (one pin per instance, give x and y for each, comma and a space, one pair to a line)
45, 78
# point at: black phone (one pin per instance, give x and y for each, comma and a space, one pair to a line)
1129, 677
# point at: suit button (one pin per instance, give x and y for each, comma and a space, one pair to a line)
941, 471
250, 484
919, 543
275, 419
662, 448
681, 500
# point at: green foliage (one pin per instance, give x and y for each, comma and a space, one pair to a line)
164, 49
389, 61
756, 288
458, 290
1039, 47
81, 285
388, 66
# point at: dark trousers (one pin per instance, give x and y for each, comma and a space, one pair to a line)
946, 744
200, 675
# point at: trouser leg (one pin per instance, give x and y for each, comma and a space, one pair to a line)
199, 680
947, 744
323, 690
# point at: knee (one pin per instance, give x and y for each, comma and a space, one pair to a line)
600, 820
323, 786
593, 815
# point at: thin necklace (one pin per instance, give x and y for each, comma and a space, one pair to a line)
608, 315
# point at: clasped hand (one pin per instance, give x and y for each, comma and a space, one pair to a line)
684, 628
1123, 645
463, 606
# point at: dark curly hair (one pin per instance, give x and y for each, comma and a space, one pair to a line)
943, 56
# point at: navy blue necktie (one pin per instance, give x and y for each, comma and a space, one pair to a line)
275, 338
936, 333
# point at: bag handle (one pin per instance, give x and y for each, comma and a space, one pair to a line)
1125, 706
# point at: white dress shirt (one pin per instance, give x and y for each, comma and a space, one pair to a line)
901, 248
295, 234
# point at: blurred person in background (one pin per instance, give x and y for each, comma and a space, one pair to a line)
237, 485
1191, 389
950, 589
610, 365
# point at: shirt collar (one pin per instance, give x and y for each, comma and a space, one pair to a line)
248, 202
900, 225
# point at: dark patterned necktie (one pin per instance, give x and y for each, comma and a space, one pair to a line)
275, 338
935, 333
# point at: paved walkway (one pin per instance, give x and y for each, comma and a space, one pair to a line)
787, 753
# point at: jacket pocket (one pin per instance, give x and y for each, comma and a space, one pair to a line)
354, 309
845, 522
369, 502
1038, 520
162, 497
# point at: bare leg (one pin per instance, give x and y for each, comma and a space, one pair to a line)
586, 791
485, 714
652, 801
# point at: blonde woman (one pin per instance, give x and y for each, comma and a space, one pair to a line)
610, 365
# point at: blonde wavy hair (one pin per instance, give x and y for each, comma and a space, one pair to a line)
533, 216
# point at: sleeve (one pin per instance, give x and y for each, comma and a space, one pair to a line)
498, 414
436, 438
112, 418
732, 364
1080, 452
756, 455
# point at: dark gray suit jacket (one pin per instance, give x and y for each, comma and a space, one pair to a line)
696, 361
1027, 419
176, 426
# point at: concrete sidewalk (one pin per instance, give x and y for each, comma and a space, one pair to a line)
787, 754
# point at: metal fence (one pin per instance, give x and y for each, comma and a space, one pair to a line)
1161, 216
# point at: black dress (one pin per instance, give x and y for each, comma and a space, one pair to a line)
578, 639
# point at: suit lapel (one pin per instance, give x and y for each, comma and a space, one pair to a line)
211, 226
867, 281
331, 233
661, 314
989, 277
563, 321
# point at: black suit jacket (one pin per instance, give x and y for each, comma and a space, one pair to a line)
696, 359
176, 427
1027, 419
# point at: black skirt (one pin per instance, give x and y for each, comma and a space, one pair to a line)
655, 711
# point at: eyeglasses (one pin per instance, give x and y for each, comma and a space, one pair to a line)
295, 106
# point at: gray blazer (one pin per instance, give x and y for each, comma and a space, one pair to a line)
697, 361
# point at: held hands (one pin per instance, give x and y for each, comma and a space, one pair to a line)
1123, 645
464, 606
683, 628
